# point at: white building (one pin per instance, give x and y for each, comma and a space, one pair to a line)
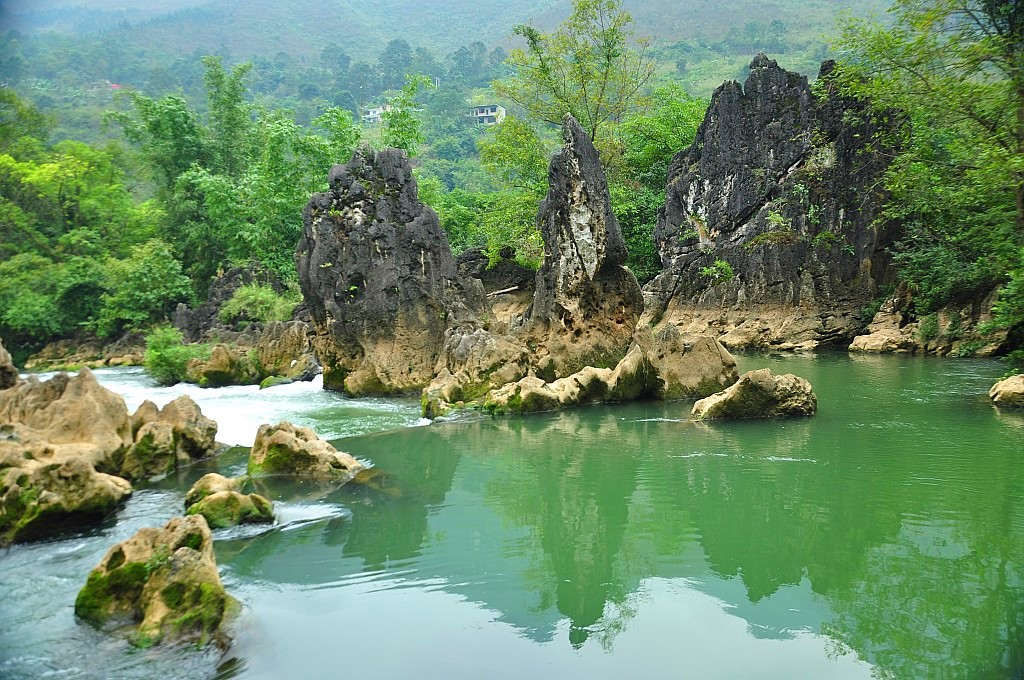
488, 114
374, 113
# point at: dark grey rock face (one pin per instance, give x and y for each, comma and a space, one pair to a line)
8, 372
784, 184
586, 302
195, 324
378, 276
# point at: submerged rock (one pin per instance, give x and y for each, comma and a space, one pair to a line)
40, 499
784, 185
759, 394
161, 582
378, 276
1009, 392
220, 501
286, 449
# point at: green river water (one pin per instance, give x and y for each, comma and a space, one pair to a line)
883, 537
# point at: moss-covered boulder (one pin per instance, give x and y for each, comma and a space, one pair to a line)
164, 438
209, 484
286, 449
163, 583
1008, 393
220, 501
230, 508
40, 499
759, 394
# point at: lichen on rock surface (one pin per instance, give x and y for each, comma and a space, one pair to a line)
759, 394
162, 583
378, 276
286, 449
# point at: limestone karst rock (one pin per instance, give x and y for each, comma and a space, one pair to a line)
220, 500
759, 394
286, 449
41, 498
378, 276
587, 302
163, 583
784, 184
1008, 393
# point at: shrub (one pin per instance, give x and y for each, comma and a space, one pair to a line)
260, 302
167, 355
718, 271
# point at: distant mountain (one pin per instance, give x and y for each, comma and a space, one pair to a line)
301, 28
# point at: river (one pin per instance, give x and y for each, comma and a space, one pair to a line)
883, 537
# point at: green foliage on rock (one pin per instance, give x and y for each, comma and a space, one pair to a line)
167, 355
260, 302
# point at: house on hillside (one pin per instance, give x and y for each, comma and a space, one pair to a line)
374, 113
488, 114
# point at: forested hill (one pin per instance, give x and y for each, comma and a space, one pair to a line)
245, 28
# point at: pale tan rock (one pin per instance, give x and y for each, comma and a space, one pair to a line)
165, 438
74, 415
39, 499
286, 449
759, 394
1008, 393
162, 581
210, 484
225, 509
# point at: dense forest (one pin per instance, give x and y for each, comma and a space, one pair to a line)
143, 153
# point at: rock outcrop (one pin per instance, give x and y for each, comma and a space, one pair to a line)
1008, 393
587, 302
954, 330
378, 276
67, 417
759, 394
784, 184
162, 582
286, 449
177, 434
655, 367
197, 324
220, 500
277, 350
8, 371
40, 498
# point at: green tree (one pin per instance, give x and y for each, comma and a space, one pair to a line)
587, 67
955, 68
144, 288
401, 125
